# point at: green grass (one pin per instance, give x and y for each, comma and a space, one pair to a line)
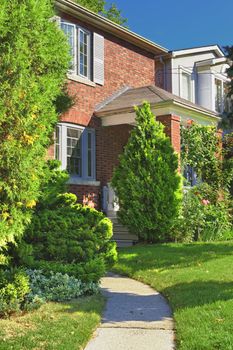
55, 326
197, 279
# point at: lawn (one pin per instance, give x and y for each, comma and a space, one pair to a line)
197, 279
55, 326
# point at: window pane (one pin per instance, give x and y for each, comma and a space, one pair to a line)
83, 53
69, 31
74, 151
218, 95
186, 86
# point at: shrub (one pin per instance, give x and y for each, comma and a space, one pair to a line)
203, 216
64, 236
69, 234
14, 286
56, 287
146, 181
90, 271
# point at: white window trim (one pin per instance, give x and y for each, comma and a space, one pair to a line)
192, 86
79, 29
75, 73
63, 152
223, 80
59, 127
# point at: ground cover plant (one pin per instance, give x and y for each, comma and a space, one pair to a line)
197, 280
55, 326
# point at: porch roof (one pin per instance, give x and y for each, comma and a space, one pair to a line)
162, 102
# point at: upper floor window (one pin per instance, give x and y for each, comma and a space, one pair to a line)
223, 103
79, 41
87, 52
186, 86
218, 96
75, 148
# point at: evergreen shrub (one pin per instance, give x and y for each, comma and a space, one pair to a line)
146, 181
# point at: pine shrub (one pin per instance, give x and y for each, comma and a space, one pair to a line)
146, 181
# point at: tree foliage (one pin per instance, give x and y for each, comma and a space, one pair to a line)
109, 11
228, 121
146, 180
202, 150
34, 58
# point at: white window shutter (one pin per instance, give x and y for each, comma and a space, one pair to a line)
98, 59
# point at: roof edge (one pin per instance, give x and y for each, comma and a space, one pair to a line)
130, 109
105, 24
198, 49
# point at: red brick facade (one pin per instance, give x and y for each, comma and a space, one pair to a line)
172, 129
124, 65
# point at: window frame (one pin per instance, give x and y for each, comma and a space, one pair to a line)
78, 30
76, 69
84, 150
188, 72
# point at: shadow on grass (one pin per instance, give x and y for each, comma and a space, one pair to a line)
163, 256
198, 293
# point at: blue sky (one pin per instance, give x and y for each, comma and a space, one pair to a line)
177, 24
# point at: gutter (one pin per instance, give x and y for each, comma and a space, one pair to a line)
77, 11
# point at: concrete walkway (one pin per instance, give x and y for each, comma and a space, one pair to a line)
136, 318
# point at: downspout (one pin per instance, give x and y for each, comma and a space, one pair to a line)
164, 73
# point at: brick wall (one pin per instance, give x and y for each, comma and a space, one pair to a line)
110, 143
124, 64
88, 195
172, 129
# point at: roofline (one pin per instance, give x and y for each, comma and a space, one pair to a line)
105, 24
130, 109
213, 61
198, 49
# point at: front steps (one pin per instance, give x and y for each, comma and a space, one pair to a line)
121, 234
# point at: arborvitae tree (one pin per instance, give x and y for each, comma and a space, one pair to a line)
147, 181
34, 58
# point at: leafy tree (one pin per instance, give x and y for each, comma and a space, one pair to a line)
228, 121
147, 181
202, 150
34, 58
100, 6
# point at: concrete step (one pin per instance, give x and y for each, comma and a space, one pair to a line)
121, 234
119, 227
124, 235
122, 243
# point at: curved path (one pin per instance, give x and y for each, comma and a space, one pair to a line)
136, 318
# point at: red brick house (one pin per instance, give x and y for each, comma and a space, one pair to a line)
112, 70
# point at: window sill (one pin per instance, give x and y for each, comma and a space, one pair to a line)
80, 80
78, 181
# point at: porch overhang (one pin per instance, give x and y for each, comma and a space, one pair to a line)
169, 107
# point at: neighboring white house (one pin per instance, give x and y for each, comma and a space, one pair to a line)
198, 75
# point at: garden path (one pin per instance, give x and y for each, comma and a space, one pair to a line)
136, 318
